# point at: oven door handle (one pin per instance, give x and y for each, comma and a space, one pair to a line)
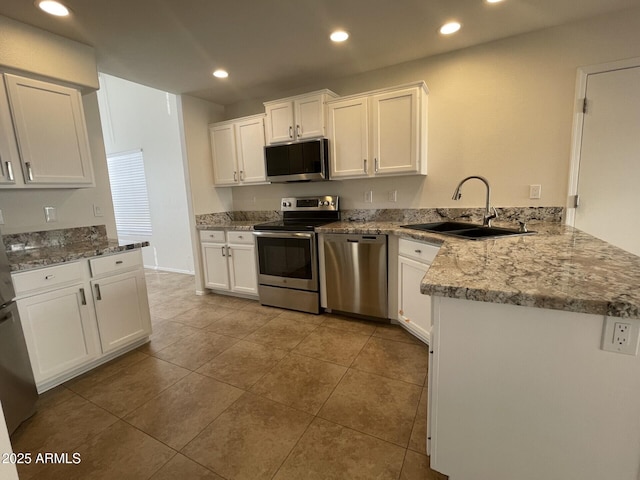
285, 234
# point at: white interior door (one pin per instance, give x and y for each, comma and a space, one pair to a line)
609, 169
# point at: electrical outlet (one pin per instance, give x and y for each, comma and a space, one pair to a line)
368, 196
97, 211
393, 196
50, 214
535, 191
621, 335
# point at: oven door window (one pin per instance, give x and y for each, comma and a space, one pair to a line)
285, 257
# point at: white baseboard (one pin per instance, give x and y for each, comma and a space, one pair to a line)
170, 270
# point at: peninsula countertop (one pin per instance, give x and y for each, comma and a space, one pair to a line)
559, 268
44, 256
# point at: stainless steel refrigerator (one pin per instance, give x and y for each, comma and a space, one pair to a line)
18, 392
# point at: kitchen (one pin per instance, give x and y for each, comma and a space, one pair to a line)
480, 121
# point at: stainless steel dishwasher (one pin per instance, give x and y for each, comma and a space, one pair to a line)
356, 274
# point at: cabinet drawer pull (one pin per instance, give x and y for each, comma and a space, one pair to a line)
228, 251
83, 297
222, 251
365, 166
298, 130
98, 294
235, 176
418, 251
290, 131
9, 170
49, 277
119, 262
29, 171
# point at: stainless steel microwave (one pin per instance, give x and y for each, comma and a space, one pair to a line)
298, 162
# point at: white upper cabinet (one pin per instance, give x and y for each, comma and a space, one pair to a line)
348, 127
379, 133
51, 133
237, 149
297, 118
9, 158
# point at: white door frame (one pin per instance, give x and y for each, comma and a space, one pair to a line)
578, 121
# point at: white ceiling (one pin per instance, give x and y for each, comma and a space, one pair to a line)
270, 46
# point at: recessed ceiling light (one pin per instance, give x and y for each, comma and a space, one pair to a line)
53, 8
339, 36
449, 28
220, 74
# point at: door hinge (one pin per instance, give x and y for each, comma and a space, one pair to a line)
574, 200
584, 105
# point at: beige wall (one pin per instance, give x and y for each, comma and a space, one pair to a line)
34, 52
503, 110
26, 48
196, 116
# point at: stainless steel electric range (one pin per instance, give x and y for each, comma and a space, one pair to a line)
287, 253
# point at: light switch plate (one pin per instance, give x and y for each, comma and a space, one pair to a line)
50, 214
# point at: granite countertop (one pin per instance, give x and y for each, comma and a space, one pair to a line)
30, 258
559, 268
229, 225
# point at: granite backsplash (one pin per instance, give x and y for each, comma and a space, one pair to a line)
409, 215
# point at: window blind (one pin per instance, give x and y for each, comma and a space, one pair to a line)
129, 193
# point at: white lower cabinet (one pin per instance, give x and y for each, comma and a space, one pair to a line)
229, 261
414, 308
72, 322
59, 331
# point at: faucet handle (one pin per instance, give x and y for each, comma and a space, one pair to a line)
489, 216
523, 227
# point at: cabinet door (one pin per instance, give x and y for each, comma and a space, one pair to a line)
395, 128
250, 148
242, 266
349, 138
9, 158
280, 122
51, 132
216, 272
58, 331
414, 309
122, 309
223, 153
309, 117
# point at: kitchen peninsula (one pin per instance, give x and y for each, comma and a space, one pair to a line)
519, 384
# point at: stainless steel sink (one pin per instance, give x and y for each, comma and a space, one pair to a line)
470, 231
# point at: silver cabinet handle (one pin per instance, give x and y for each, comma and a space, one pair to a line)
222, 251
9, 170
83, 297
240, 236
241, 175
235, 176
29, 171
298, 130
375, 163
418, 251
49, 277
365, 166
98, 294
119, 262
290, 131
228, 251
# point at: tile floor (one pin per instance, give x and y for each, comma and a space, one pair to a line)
229, 389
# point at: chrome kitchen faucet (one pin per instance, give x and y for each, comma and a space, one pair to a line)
488, 216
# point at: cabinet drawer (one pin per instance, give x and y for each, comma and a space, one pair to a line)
115, 263
423, 252
212, 236
242, 237
46, 278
